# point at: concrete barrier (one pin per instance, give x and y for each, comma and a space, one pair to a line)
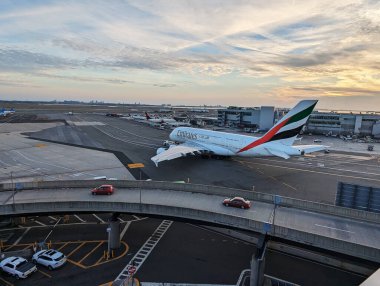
205, 189
234, 221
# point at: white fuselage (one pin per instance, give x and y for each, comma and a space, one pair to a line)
228, 144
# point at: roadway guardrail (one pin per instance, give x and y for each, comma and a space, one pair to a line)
206, 189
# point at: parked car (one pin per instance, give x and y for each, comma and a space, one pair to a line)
103, 190
317, 141
17, 266
50, 258
237, 202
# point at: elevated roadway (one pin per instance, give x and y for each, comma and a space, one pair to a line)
343, 230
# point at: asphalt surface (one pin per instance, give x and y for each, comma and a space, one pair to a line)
313, 177
188, 253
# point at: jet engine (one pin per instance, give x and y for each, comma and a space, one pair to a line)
160, 150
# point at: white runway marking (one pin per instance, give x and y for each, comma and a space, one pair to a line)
325, 226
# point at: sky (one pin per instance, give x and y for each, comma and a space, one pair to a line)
241, 53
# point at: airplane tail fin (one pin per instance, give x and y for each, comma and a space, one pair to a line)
287, 129
147, 116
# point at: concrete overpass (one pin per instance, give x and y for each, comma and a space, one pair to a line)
348, 231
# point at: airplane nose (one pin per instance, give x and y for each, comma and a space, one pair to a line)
171, 135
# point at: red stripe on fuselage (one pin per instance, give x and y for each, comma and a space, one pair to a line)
265, 138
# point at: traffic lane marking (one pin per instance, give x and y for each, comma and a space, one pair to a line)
246, 164
329, 227
330, 167
316, 172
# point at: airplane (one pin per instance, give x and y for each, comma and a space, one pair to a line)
5, 112
159, 120
277, 141
178, 124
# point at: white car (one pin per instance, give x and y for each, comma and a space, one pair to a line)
50, 258
18, 267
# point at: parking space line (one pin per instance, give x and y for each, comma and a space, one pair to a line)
109, 260
88, 254
76, 249
135, 217
22, 236
26, 247
77, 264
40, 223
44, 273
102, 221
125, 230
53, 218
99, 261
6, 282
79, 218
66, 243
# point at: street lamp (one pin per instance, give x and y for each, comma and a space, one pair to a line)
13, 190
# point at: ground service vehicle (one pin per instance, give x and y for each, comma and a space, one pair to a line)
103, 190
50, 258
18, 267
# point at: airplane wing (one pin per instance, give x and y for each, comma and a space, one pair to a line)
311, 148
176, 151
278, 153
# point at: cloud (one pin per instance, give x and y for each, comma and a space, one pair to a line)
330, 47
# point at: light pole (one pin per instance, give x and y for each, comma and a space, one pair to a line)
109, 242
13, 190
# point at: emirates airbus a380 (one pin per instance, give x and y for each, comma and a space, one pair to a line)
278, 141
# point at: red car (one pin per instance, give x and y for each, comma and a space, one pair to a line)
237, 202
103, 190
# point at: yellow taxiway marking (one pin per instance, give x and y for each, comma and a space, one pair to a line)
6, 282
310, 155
44, 273
39, 145
76, 249
273, 178
88, 254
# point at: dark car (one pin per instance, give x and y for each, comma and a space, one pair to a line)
237, 202
103, 190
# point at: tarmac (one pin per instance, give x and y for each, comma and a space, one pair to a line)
24, 159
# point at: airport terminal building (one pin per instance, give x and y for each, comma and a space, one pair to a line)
334, 123
258, 117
